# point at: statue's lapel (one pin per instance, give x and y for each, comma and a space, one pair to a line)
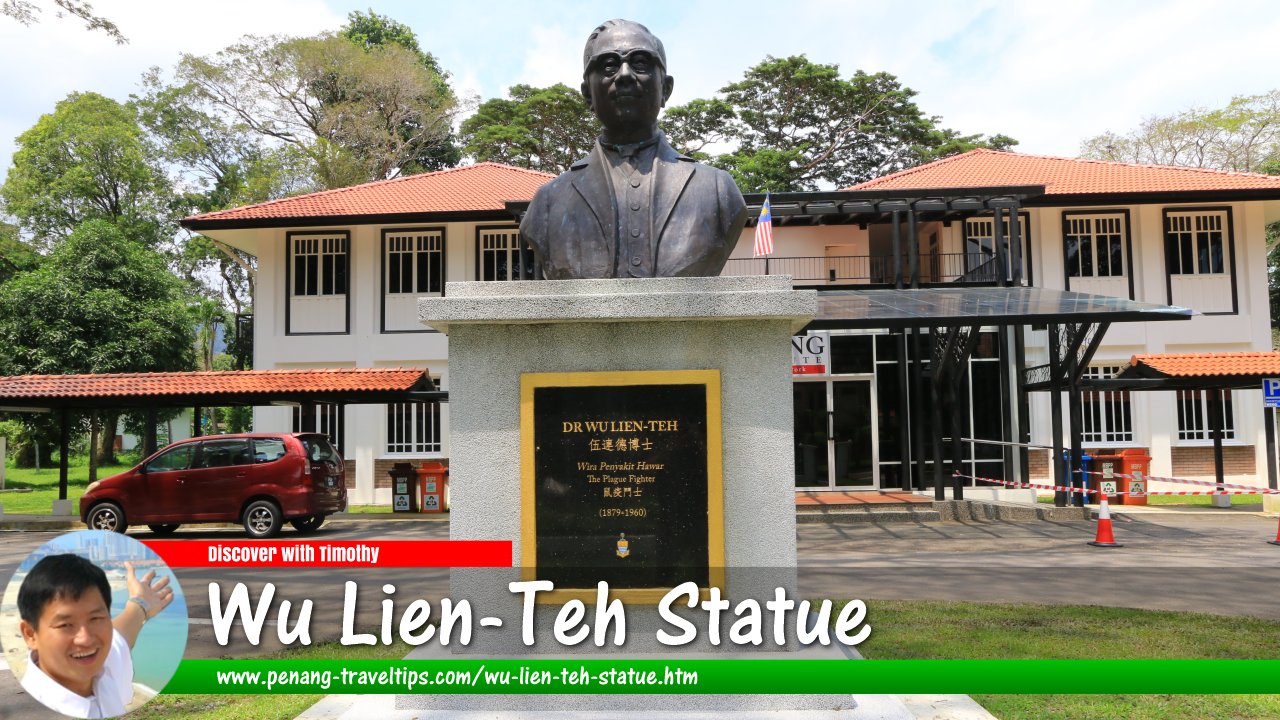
595, 187
672, 175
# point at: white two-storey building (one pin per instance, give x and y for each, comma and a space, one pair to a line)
339, 274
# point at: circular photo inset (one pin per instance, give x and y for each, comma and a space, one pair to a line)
93, 624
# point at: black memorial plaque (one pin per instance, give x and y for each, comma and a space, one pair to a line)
620, 485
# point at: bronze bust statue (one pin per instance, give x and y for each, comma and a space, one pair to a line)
634, 207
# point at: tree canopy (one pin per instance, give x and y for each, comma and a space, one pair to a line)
1243, 136
545, 129
789, 124
356, 112
799, 125
87, 160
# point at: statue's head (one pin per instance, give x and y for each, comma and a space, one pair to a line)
625, 80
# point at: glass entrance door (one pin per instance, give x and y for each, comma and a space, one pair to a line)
851, 464
833, 434
812, 468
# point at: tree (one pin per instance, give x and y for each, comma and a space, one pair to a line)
101, 302
1243, 136
24, 11
356, 114
371, 31
88, 159
799, 125
545, 129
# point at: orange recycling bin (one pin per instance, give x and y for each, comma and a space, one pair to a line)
433, 485
1136, 464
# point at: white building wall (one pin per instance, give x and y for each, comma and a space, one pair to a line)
1155, 416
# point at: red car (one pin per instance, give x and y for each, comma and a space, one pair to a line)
260, 480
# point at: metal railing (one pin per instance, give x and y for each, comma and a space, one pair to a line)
870, 269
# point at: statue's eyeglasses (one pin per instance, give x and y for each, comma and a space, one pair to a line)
641, 61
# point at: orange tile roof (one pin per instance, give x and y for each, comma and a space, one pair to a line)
484, 187
1210, 364
20, 388
1066, 176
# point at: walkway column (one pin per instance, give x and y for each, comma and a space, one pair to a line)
149, 433
1215, 427
1269, 420
1060, 497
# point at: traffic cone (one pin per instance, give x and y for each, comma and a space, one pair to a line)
1105, 537
1277, 540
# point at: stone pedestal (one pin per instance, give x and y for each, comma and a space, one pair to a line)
739, 327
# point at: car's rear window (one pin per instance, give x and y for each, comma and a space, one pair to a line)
318, 448
267, 450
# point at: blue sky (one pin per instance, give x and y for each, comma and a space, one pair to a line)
1048, 74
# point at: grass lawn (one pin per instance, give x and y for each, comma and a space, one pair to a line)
1184, 500
369, 509
262, 707
43, 485
933, 630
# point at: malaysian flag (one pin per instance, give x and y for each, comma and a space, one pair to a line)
764, 230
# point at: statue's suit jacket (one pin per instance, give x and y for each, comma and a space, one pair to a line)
697, 215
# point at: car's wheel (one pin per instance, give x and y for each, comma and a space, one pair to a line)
307, 524
107, 516
262, 519
164, 528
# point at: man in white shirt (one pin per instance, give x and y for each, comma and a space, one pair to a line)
79, 662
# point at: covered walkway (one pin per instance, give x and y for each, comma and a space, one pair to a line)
148, 392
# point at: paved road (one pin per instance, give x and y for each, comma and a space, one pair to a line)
1202, 562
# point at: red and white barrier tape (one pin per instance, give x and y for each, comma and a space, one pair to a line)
1184, 481
1032, 486
1060, 488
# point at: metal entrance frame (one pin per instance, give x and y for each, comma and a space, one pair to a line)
956, 313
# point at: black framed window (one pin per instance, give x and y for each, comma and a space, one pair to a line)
319, 265
1094, 245
415, 262
503, 255
1195, 242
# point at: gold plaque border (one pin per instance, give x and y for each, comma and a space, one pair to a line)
715, 474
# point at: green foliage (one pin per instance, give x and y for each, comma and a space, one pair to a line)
697, 124
798, 125
15, 255
545, 129
88, 159
1243, 136
100, 303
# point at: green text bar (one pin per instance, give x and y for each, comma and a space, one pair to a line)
736, 676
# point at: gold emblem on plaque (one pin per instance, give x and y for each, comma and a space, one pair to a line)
624, 545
